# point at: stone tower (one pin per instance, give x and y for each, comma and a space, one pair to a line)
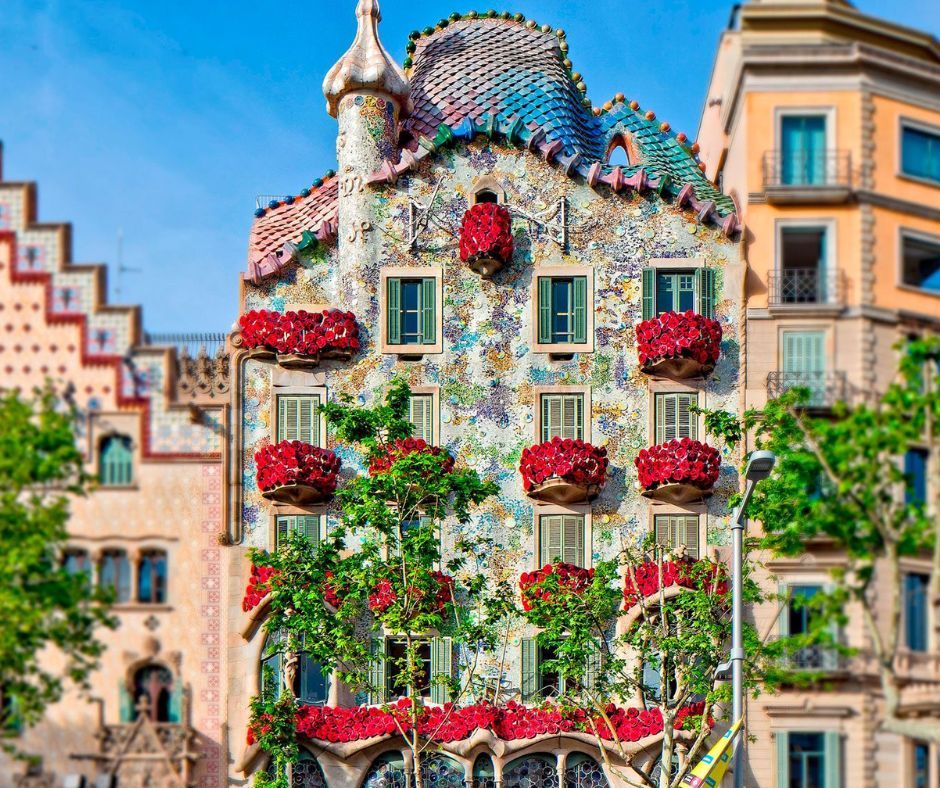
367, 92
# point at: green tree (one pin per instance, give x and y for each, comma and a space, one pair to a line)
842, 479
381, 571
42, 606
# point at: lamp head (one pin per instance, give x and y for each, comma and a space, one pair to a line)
759, 466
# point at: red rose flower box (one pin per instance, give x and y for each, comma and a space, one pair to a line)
402, 447
679, 345
299, 340
678, 471
563, 471
539, 587
297, 473
682, 573
510, 722
486, 238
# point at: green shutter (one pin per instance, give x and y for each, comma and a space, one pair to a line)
649, 293
421, 416
833, 759
783, 620
175, 710
783, 759
545, 310
562, 415
377, 690
307, 524
573, 540
441, 664
705, 289
580, 309
830, 656
593, 666
672, 530
529, 682
803, 351
428, 311
394, 310
297, 418
550, 530
126, 703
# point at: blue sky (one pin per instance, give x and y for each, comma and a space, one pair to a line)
162, 119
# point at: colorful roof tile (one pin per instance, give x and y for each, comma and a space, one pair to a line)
502, 76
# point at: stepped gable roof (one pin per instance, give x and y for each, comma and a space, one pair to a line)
502, 76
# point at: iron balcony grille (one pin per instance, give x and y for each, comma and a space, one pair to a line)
212, 341
807, 169
814, 658
825, 388
802, 286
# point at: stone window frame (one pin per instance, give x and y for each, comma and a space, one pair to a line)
542, 510
699, 510
298, 390
435, 394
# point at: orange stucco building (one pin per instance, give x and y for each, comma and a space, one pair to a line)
823, 124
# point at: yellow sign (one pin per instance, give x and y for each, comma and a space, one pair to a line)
713, 766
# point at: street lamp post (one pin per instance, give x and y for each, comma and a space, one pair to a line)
759, 466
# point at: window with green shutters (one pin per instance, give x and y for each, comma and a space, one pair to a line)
678, 291
306, 524
421, 415
809, 759
562, 310
411, 305
673, 530
562, 415
387, 673
538, 683
297, 418
674, 418
562, 538
116, 461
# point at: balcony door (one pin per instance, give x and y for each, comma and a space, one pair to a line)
803, 276
803, 150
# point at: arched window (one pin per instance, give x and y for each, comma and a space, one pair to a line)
386, 771
311, 686
618, 152
484, 775
114, 574
532, 771
439, 771
115, 461
305, 772
582, 771
151, 577
155, 683
75, 560
485, 195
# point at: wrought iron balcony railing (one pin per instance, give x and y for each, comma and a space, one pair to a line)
825, 388
807, 169
803, 286
815, 658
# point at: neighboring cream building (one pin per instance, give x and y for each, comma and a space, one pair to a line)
823, 124
152, 422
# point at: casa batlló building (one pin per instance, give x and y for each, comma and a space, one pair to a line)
475, 241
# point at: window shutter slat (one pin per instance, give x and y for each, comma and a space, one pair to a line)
283, 529
649, 293
428, 311
689, 536
545, 309
580, 309
706, 291
420, 414
570, 420
685, 422
573, 544
394, 311
550, 538
670, 425
593, 666
377, 690
441, 658
528, 683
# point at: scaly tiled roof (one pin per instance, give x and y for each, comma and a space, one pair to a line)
505, 77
